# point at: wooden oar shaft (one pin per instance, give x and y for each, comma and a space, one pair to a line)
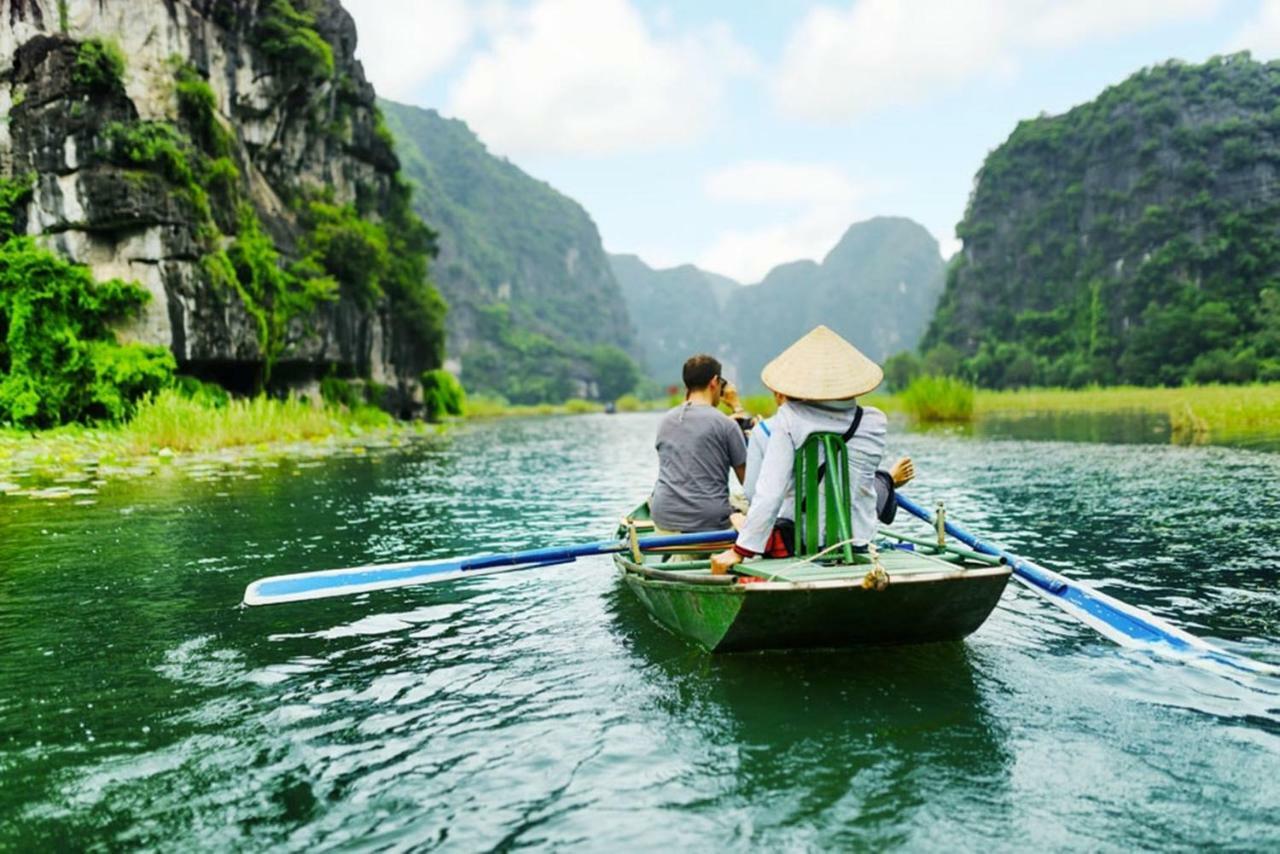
1116, 620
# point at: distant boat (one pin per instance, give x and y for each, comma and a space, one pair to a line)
910, 592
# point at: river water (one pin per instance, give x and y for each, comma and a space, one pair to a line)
140, 706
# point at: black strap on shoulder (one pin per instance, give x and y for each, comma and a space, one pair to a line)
845, 437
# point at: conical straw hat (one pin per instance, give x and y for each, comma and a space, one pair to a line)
821, 366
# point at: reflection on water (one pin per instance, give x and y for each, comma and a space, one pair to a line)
141, 707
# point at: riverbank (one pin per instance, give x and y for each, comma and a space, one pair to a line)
1205, 414
171, 432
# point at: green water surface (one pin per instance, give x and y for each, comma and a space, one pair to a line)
141, 706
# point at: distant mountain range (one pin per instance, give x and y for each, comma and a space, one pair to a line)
535, 313
538, 312
877, 287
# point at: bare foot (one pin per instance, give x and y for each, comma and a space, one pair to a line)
902, 472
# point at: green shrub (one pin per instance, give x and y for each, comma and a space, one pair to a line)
272, 294
289, 40
206, 394
59, 360
578, 406
353, 250
616, 372
630, 403
443, 394
198, 106
933, 398
99, 66
14, 193
901, 369
338, 392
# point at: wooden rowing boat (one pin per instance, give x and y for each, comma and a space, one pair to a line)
907, 591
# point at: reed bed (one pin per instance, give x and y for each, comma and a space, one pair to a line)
1194, 411
481, 406
934, 399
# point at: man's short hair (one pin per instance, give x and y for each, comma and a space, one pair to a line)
700, 370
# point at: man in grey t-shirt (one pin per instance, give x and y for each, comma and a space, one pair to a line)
697, 447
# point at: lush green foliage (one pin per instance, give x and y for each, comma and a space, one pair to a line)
443, 394
59, 360
931, 398
616, 372
353, 250
900, 369
14, 194
288, 38
198, 107
1150, 269
99, 65
273, 293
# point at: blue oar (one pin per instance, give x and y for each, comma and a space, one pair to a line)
364, 579
1122, 623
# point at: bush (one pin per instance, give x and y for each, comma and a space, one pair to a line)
14, 193
99, 66
60, 358
336, 392
931, 398
578, 406
616, 373
443, 394
198, 106
629, 403
289, 40
901, 369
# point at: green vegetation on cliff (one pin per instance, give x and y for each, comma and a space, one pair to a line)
535, 313
268, 281
1132, 239
59, 359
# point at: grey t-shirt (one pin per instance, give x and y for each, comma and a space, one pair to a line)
697, 445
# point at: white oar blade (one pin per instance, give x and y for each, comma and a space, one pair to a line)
301, 586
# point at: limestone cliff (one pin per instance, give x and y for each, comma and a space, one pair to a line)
1132, 239
228, 156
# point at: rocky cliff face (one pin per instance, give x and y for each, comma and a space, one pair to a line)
233, 131
1131, 239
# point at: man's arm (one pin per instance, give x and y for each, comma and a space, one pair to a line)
741, 472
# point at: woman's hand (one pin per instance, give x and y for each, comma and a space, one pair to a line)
722, 562
902, 472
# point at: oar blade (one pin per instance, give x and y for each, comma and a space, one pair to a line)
301, 586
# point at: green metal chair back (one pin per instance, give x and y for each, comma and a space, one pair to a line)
822, 481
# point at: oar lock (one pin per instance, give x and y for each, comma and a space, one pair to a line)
940, 524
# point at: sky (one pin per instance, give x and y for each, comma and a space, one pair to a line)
741, 135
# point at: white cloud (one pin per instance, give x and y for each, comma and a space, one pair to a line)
817, 201
402, 43
772, 181
749, 254
589, 77
1261, 33
842, 62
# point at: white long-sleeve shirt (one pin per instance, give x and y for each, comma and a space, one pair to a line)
794, 422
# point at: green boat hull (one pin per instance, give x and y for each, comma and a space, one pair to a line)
922, 607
